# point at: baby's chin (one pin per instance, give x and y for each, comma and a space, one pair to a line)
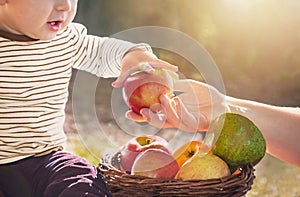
44, 37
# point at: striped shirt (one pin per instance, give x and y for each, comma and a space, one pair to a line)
34, 79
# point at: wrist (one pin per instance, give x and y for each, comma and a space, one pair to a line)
140, 49
237, 105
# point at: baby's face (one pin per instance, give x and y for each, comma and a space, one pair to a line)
38, 19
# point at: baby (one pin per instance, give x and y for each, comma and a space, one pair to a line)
39, 46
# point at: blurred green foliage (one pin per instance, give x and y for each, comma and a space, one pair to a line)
256, 44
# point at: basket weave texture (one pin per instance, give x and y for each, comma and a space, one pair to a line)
122, 184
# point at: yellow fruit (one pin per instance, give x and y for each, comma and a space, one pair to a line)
186, 151
204, 167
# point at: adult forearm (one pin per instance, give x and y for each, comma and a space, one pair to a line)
279, 125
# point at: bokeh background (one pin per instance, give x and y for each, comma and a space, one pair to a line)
255, 44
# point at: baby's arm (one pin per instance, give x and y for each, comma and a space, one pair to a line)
110, 57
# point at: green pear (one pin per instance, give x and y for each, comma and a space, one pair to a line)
203, 167
240, 141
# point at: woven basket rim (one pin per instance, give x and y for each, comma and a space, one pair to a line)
122, 184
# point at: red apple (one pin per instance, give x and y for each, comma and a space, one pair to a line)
136, 145
155, 163
141, 90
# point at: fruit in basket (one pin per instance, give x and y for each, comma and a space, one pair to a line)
136, 145
142, 90
203, 167
186, 151
240, 141
155, 163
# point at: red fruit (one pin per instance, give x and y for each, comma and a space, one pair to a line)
142, 90
136, 145
155, 163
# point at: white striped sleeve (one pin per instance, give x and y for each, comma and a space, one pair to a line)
102, 56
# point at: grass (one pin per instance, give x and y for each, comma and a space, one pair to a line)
87, 147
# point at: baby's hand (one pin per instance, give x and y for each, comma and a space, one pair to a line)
139, 60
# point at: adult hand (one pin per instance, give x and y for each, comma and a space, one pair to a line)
192, 110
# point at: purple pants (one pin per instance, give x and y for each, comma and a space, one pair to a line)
54, 175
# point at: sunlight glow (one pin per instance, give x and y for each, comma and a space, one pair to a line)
239, 4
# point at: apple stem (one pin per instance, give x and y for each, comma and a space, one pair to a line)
148, 141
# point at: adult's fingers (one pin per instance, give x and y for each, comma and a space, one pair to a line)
155, 119
134, 116
178, 115
188, 121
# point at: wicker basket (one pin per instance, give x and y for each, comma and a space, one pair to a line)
122, 184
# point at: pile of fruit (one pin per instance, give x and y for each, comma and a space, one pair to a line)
240, 143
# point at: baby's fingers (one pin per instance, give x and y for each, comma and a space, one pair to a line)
146, 67
158, 63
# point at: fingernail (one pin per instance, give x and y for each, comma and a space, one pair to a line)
165, 96
115, 83
127, 115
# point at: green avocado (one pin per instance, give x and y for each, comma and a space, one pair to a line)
240, 141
